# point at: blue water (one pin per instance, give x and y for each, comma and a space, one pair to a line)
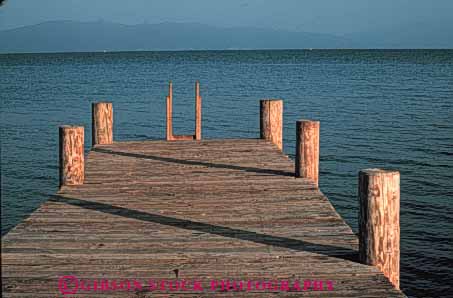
391, 109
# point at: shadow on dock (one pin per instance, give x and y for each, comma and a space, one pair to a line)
196, 163
294, 244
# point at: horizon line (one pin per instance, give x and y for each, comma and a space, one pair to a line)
227, 50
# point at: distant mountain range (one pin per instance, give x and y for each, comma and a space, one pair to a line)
72, 36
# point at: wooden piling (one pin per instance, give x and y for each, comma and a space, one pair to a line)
307, 150
102, 123
71, 147
271, 121
170, 112
379, 222
197, 111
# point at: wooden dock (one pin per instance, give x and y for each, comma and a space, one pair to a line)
219, 209
223, 214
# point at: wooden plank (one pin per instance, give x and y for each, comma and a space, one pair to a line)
183, 137
213, 209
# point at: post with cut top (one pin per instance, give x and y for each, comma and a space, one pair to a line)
379, 221
271, 121
307, 150
71, 147
102, 123
197, 111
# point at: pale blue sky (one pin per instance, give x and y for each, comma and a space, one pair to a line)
326, 16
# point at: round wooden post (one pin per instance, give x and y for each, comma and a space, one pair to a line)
271, 121
72, 168
307, 150
102, 123
379, 221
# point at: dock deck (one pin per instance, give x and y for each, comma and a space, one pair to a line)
188, 210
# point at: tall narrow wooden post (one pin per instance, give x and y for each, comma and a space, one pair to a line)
102, 123
197, 111
271, 121
379, 221
170, 112
307, 150
72, 167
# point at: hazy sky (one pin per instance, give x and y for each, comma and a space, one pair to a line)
327, 16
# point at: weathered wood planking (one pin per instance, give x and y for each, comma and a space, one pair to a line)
216, 209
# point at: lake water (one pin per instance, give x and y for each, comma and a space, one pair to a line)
391, 109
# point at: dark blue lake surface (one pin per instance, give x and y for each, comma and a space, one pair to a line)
391, 109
